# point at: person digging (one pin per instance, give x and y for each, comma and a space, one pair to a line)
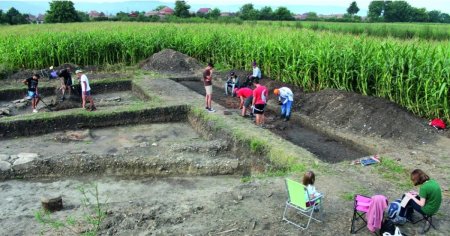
33, 94
85, 90
66, 82
285, 99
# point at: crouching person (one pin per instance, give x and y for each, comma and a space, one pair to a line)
85, 90
285, 98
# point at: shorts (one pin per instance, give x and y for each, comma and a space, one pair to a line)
208, 89
67, 81
32, 94
248, 101
87, 93
259, 108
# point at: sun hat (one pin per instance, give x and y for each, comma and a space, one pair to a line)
78, 71
276, 91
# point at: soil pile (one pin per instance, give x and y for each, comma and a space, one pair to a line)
170, 61
364, 114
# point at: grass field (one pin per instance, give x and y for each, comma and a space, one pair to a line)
413, 73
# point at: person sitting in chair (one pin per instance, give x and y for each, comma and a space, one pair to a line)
232, 83
426, 202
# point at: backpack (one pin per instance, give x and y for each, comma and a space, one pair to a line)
394, 209
437, 123
387, 226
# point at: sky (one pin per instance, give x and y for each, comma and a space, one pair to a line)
326, 6
444, 5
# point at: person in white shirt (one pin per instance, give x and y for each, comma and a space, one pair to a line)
256, 75
285, 98
85, 90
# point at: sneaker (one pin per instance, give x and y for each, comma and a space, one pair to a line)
35, 110
211, 110
93, 109
399, 220
62, 99
207, 108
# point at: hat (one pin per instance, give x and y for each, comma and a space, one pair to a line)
51, 68
276, 91
78, 71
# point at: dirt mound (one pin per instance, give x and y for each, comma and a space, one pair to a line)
364, 114
170, 61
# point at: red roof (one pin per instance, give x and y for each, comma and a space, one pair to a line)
204, 10
166, 11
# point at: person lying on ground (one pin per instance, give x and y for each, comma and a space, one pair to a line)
85, 90
232, 83
66, 82
245, 96
260, 96
33, 94
285, 99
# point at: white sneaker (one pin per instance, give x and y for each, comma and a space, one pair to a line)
35, 110
211, 110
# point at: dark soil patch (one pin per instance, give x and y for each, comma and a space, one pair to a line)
170, 61
325, 148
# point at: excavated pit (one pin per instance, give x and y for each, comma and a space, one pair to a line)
327, 149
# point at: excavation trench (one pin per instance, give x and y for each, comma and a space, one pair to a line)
326, 148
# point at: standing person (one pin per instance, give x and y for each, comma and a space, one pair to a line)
246, 97
66, 82
260, 95
33, 94
85, 90
285, 98
207, 81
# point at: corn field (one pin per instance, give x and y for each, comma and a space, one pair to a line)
413, 73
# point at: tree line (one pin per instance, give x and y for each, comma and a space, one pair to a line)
379, 11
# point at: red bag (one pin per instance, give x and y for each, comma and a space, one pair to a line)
437, 123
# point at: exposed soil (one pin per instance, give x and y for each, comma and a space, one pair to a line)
219, 205
170, 61
327, 149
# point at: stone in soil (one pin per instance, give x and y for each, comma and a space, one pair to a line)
4, 157
5, 166
24, 158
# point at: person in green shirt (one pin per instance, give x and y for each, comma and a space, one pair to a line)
429, 198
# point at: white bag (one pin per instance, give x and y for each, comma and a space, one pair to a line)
397, 232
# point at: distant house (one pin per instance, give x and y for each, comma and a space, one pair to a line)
31, 19
337, 16
40, 19
133, 14
166, 11
94, 14
204, 11
152, 13
301, 16
226, 14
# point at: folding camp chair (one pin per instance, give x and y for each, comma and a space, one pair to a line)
297, 200
360, 208
428, 222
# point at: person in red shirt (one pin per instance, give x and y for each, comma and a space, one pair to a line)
246, 96
207, 81
260, 95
